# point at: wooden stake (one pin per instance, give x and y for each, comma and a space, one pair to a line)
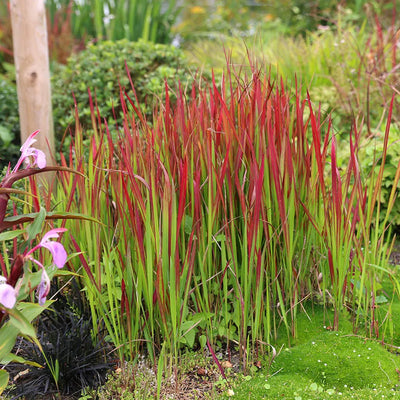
31, 57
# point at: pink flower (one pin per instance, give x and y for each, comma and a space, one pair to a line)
27, 151
56, 249
59, 258
8, 295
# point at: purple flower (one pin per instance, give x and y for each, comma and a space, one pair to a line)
27, 151
59, 258
8, 295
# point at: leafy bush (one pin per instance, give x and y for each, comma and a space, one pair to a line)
370, 156
101, 69
9, 123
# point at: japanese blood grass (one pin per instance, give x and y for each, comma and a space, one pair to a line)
220, 218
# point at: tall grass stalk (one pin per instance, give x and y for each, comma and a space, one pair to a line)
221, 218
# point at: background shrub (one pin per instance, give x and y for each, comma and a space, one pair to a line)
242, 18
9, 123
370, 156
351, 71
101, 68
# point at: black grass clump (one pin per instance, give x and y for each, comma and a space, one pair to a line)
64, 332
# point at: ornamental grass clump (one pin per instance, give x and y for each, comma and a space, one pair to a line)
221, 218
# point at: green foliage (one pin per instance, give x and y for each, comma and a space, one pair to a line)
370, 157
150, 20
302, 16
350, 70
101, 68
242, 19
9, 123
226, 17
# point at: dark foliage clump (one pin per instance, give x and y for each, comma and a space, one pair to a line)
64, 332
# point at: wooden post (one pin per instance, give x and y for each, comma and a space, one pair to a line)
31, 58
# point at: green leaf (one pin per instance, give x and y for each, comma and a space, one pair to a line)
3, 380
220, 238
221, 330
381, 299
8, 336
64, 272
202, 341
11, 234
30, 281
50, 215
188, 224
37, 225
19, 321
24, 326
14, 358
202, 316
189, 333
32, 310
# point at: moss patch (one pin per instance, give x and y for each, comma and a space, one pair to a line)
325, 364
340, 361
